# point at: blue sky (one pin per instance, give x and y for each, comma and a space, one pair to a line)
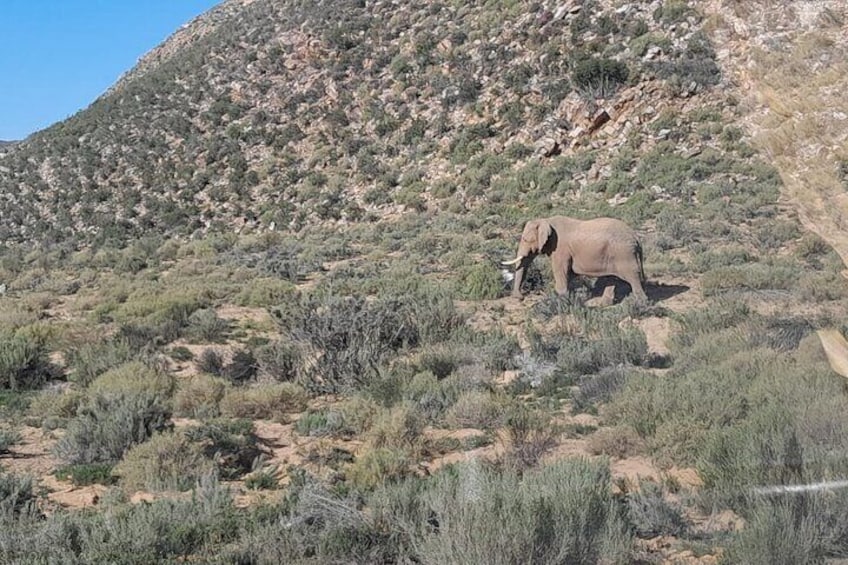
57, 56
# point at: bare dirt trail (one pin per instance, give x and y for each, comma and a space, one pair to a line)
789, 61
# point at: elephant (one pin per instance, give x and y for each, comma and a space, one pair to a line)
595, 248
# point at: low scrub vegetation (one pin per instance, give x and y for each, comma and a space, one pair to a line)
109, 425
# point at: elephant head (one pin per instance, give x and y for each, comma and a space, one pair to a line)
536, 238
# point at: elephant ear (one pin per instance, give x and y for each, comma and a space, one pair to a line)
543, 232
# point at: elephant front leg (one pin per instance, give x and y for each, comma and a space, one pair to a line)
521, 275
518, 281
561, 268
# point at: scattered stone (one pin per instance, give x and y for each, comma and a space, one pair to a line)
653, 52
598, 121
548, 147
618, 199
567, 10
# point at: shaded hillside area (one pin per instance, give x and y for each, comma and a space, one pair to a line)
273, 249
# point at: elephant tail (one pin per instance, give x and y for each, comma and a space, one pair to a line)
639, 257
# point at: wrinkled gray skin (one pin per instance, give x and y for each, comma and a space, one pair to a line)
595, 248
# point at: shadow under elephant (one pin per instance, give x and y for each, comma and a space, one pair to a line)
657, 292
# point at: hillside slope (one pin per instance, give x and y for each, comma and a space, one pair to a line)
267, 113
789, 60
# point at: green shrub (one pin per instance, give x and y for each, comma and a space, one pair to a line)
88, 361
263, 479
672, 11
694, 66
320, 423
773, 233
481, 282
652, 514
210, 362
726, 256
8, 438
23, 363
443, 360
155, 316
278, 359
740, 394
720, 314
639, 44
134, 377
583, 354
779, 333
200, 396
181, 353
599, 77
529, 435
162, 531
205, 326
399, 427
267, 401
618, 442
321, 526
821, 287
499, 351
810, 247
14, 404
674, 229
475, 409
16, 495
167, 461
231, 444
431, 396
358, 413
560, 513
777, 534
350, 337
379, 466
87, 474
242, 367
756, 276
600, 388
108, 425
263, 293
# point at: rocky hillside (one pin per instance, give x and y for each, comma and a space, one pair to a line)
273, 114
790, 60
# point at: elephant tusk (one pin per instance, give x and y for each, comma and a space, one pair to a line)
515, 261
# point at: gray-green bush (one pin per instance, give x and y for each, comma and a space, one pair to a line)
23, 363
106, 427
560, 513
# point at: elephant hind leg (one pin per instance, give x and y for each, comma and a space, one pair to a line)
635, 282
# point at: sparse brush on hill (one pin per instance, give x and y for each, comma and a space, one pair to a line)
23, 363
255, 154
343, 341
107, 426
